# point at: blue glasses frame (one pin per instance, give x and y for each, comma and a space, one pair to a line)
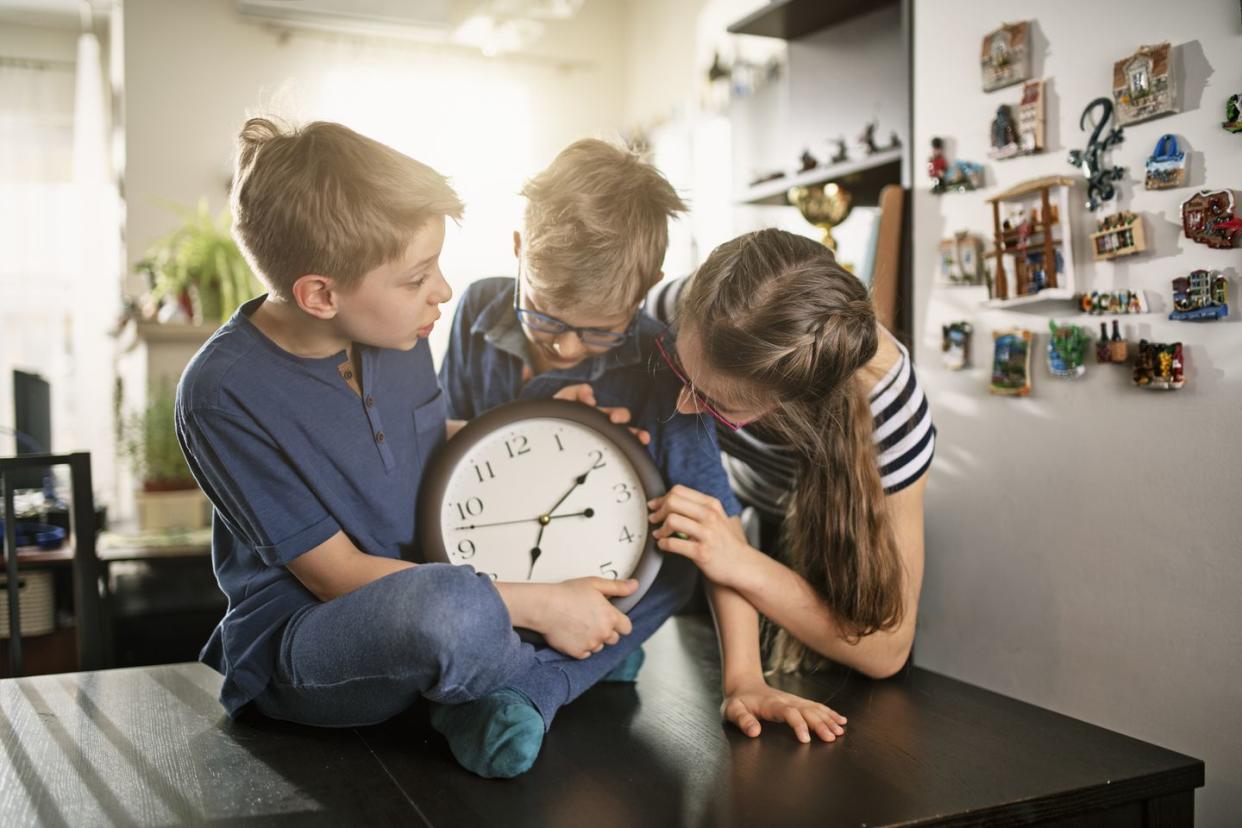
542, 323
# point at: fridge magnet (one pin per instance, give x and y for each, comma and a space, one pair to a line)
1208, 218
1143, 84
1166, 167
1159, 365
955, 345
1067, 350
1120, 234
1011, 362
961, 259
1006, 57
1203, 295
1113, 302
1111, 349
1090, 161
1020, 133
1233, 114
959, 176
1033, 242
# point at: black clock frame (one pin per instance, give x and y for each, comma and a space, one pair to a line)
430, 546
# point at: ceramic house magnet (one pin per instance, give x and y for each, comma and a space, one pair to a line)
1143, 84
1006, 57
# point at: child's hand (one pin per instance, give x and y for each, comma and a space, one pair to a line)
578, 619
695, 526
748, 702
584, 394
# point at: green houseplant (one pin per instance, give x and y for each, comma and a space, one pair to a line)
200, 260
168, 498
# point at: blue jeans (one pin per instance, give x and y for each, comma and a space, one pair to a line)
441, 632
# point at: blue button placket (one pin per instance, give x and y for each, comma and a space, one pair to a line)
370, 367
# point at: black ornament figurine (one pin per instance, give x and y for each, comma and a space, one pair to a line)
1091, 160
842, 154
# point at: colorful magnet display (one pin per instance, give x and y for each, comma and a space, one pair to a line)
1159, 366
1090, 160
1208, 218
1067, 350
1011, 362
955, 345
1166, 168
1112, 302
1143, 84
1201, 296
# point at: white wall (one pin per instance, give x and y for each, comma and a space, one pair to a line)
1083, 545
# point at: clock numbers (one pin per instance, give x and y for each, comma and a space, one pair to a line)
626, 536
598, 457
465, 549
606, 571
471, 508
559, 445
487, 464
624, 492
517, 445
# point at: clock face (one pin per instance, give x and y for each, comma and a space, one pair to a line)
545, 499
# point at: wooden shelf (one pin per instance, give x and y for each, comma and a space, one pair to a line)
863, 179
792, 19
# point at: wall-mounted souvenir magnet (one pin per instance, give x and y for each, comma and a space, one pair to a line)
1208, 218
1203, 295
1120, 234
1011, 362
1006, 56
1166, 168
1113, 301
1233, 114
958, 176
1159, 366
1067, 350
1143, 84
1090, 160
961, 260
1019, 130
955, 345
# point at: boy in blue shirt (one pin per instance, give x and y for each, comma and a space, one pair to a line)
307, 419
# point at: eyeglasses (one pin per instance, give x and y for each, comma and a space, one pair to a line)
544, 324
705, 402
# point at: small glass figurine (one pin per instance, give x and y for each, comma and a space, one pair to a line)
1159, 365
1067, 350
1233, 114
1203, 295
955, 345
1011, 362
1166, 168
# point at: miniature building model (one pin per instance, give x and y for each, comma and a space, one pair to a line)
1201, 295
1143, 85
1120, 234
1033, 242
1006, 58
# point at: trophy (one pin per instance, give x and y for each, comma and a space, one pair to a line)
824, 205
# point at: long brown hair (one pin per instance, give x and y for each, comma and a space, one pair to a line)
780, 321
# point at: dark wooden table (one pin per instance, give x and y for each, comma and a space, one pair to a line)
151, 746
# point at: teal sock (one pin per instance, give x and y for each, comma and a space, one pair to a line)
497, 736
627, 670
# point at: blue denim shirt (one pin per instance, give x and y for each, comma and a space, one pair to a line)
488, 351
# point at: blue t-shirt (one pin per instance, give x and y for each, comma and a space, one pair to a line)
289, 455
483, 369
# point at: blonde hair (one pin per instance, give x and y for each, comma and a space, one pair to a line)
781, 320
325, 200
596, 227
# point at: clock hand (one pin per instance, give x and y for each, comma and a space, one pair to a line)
578, 481
535, 551
497, 523
588, 512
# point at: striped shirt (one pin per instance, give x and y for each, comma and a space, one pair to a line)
762, 469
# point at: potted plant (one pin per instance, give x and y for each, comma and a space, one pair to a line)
199, 266
169, 498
